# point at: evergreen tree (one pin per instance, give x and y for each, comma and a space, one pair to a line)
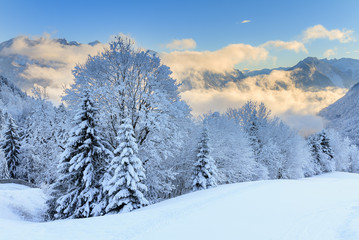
11, 148
125, 189
205, 170
81, 167
327, 161
322, 153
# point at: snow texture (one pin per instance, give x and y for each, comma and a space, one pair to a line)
321, 207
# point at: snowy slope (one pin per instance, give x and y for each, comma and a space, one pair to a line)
19, 203
324, 207
343, 114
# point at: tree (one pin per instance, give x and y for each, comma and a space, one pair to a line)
254, 120
81, 167
230, 149
279, 152
205, 170
40, 148
11, 148
124, 77
125, 189
322, 152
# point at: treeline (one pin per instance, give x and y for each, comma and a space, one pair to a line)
126, 140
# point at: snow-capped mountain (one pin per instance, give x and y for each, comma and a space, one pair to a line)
310, 73
343, 114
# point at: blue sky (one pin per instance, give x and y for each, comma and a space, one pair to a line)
213, 25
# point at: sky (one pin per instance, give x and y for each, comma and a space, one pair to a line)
191, 37
212, 25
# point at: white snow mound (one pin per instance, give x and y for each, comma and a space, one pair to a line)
323, 207
19, 202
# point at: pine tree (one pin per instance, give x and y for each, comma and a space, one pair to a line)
322, 153
205, 170
327, 161
11, 148
81, 167
125, 189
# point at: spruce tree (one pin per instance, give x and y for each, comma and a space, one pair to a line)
81, 167
125, 189
205, 170
327, 161
11, 148
322, 153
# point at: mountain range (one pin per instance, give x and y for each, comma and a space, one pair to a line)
309, 74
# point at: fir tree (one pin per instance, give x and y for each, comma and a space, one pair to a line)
327, 161
125, 188
322, 153
81, 167
11, 148
205, 170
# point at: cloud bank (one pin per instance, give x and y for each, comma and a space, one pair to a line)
182, 44
43, 61
277, 90
294, 45
318, 31
220, 61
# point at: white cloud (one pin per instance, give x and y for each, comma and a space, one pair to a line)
328, 53
44, 61
184, 64
182, 44
293, 45
246, 21
318, 31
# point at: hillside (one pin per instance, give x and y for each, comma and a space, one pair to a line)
322, 207
343, 114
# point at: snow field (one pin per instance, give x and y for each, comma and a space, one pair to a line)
323, 207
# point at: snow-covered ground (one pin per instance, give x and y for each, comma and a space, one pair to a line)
323, 207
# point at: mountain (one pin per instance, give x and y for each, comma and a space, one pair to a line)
312, 72
343, 114
309, 74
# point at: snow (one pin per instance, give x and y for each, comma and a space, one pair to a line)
19, 203
322, 207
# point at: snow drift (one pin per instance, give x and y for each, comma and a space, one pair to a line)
323, 207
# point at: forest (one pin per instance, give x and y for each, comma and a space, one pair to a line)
124, 139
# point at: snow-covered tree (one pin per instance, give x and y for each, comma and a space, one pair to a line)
279, 152
354, 158
254, 119
230, 149
205, 169
11, 148
40, 149
322, 152
124, 77
81, 167
125, 189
